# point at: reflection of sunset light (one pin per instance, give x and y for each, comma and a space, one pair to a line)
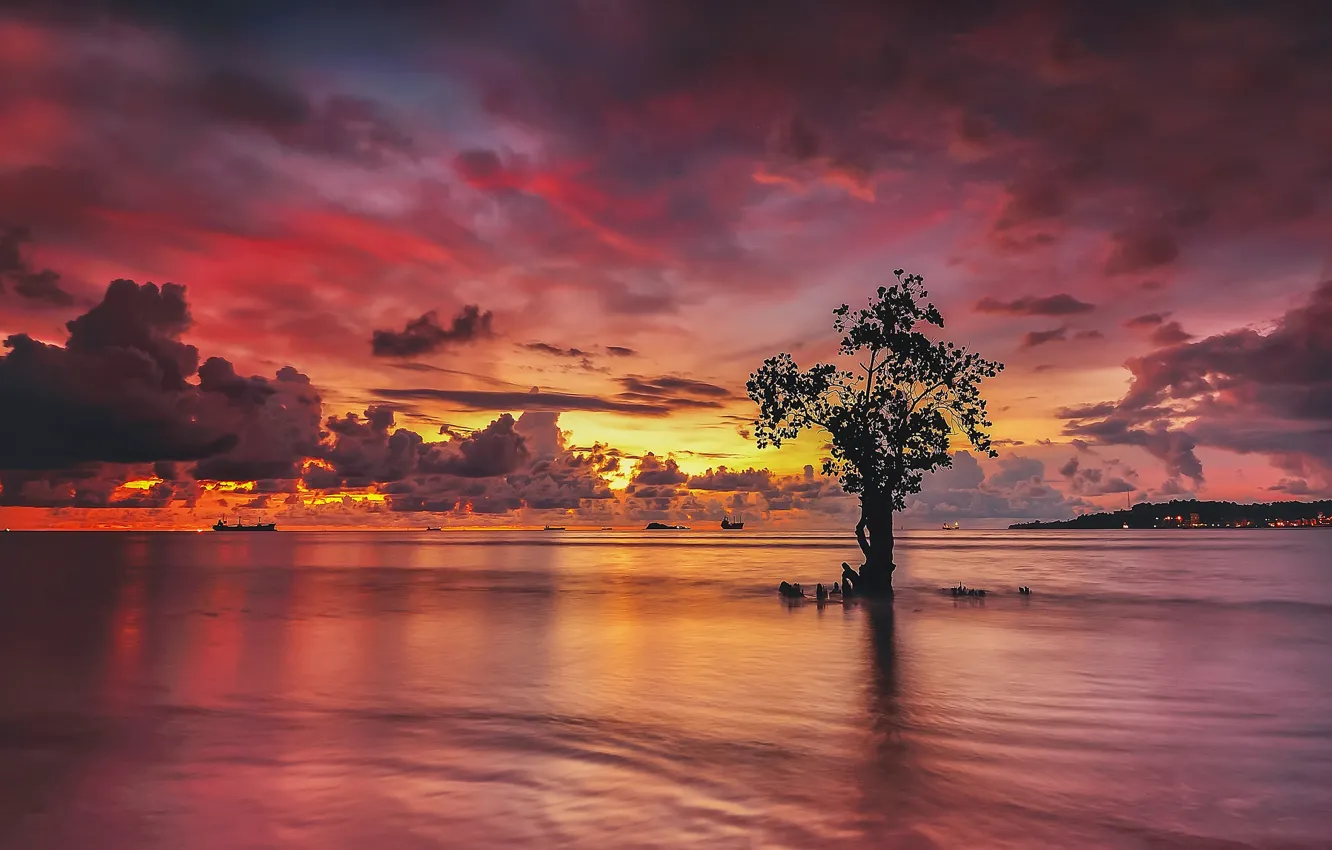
209, 653
125, 660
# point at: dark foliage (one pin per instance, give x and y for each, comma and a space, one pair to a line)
1211, 514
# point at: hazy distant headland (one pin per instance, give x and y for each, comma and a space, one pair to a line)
1192, 513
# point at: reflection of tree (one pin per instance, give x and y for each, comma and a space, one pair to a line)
890, 791
885, 707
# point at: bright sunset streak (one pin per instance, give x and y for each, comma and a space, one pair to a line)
341, 498
142, 484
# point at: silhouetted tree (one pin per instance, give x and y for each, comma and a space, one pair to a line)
890, 422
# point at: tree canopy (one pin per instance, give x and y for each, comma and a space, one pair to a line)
890, 419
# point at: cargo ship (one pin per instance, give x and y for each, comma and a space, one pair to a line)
221, 525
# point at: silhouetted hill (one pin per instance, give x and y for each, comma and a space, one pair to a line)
1192, 513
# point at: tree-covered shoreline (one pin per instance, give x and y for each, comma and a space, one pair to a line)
1192, 513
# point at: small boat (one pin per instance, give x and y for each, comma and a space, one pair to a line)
553, 528
736, 524
954, 527
661, 526
433, 528
606, 528
221, 525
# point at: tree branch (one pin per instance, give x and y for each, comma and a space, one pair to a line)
921, 397
869, 375
860, 535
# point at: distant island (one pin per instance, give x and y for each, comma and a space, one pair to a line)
1192, 513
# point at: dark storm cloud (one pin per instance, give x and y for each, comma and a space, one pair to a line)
338, 125
1062, 304
481, 167
642, 397
534, 400
1244, 390
752, 480
619, 299
119, 391
1174, 489
1087, 411
796, 139
209, 90
667, 386
425, 335
652, 470
543, 474
115, 392
555, 350
1091, 480
1147, 320
1161, 127
660, 495
660, 127
674, 391
1140, 250
1174, 448
89, 486
277, 423
235, 95
1015, 488
37, 285
586, 360
364, 451
1170, 333
140, 144
1087, 83
566, 481
1293, 486
1033, 199
1033, 339
497, 449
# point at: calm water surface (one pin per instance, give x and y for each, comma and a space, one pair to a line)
609, 690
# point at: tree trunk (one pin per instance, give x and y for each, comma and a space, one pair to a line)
874, 532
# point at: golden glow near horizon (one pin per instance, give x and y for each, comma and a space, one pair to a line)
142, 484
228, 486
331, 497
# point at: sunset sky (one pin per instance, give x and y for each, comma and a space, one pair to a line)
512, 262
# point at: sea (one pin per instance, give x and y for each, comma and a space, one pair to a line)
608, 689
